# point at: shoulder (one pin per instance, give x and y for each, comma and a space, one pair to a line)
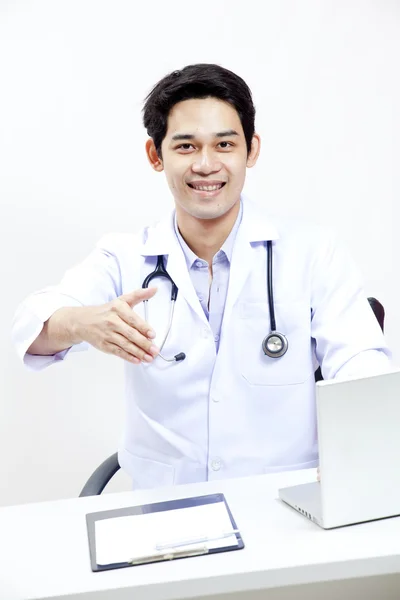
320, 247
304, 232
117, 243
300, 232
125, 244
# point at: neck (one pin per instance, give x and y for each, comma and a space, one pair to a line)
206, 236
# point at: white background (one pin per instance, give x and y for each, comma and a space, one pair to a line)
73, 74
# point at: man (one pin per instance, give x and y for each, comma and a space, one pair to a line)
231, 407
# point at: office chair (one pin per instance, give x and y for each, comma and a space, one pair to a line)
104, 472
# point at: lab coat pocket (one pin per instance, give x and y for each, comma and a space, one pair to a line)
145, 472
293, 320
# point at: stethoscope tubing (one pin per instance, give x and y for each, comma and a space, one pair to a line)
274, 345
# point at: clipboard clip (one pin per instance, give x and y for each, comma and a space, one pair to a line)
151, 558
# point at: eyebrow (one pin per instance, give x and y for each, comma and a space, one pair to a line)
191, 136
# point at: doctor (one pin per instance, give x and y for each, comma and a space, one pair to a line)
210, 393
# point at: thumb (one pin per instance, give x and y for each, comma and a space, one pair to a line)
137, 296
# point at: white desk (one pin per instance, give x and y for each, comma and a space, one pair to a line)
44, 552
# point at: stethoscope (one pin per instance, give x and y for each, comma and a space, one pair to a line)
274, 344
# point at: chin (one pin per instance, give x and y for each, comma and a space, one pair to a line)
207, 209
208, 212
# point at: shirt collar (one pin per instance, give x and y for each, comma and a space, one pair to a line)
256, 226
226, 248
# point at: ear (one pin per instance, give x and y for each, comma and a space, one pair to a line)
153, 157
255, 151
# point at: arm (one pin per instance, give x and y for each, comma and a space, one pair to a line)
348, 339
43, 330
113, 328
59, 333
87, 308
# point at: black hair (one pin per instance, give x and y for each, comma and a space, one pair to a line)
197, 81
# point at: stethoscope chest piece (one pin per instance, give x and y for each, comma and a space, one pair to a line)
275, 344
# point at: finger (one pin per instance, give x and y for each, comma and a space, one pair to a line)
134, 320
137, 296
135, 337
118, 351
130, 348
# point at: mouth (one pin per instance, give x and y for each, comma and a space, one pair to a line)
207, 189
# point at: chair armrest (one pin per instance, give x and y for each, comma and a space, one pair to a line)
101, 476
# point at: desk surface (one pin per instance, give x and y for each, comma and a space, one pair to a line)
44, 551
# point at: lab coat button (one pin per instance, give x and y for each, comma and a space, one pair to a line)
216, 338
215, 398
216, 464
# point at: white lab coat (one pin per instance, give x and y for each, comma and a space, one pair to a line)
240, 412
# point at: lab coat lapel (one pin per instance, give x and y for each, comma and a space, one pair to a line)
255, 227
177, 268
240, 269
162, 240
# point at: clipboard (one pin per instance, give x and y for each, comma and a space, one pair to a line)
160, 507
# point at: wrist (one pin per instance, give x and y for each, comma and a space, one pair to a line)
75, 324
65, 326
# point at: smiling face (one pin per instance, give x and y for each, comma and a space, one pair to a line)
204, 156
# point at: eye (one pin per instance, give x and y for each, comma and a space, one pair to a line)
228, 145
184, 147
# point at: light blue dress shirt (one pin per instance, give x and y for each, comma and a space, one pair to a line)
215, 294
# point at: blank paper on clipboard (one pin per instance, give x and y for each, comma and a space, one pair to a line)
123, 538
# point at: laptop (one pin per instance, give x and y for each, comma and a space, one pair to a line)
359, 448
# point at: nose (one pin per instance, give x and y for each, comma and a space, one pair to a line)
206, 163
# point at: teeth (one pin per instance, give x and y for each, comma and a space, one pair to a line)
208, 188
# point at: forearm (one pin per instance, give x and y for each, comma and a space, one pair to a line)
366, 363
59, 332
